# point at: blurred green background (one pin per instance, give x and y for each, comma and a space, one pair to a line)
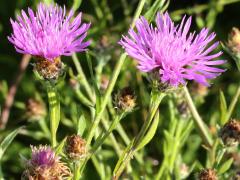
110, 19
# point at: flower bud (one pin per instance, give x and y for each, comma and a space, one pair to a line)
199, 90
73, 83
35, 109
230, 133
45, 164
49, 70
234, 40
184, 171
207, 174
104, 82
125, 100
76, 148
233, 45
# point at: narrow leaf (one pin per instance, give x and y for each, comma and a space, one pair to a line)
158, 5
150, 134
81, 125
7, 141
223, 108
225, 166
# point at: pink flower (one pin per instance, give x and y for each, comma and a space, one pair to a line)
174, 52
49, 33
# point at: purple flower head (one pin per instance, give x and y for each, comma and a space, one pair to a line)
43, 156
49, 33
177, 54
45, 164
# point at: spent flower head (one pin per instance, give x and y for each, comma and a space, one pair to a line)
45, 164
234, 40
233, 45
125, 100
207, 174
170, 49
230, 133
35, 109
76, 147
49, 32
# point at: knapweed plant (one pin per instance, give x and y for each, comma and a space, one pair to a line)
120, 90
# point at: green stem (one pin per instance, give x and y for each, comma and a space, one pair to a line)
83, 79
111, 85
105, 98
128, 157
115, 144
82, 98
109, 131
156, 98
100, 141
161, 170
233, 104
200, 125
113, 80
76, 175
54, 111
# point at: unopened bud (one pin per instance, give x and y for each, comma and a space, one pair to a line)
104, 82
49, 70
234, 41
35, 109
207, 174
73, 83
230, 133
76, 148
125, 100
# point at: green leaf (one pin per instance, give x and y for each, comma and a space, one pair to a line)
223, 108
200, 22
225, 166
48, 1
158, 5
211, 18
150, 133
54, 112
76, 4
7, 141
81, 125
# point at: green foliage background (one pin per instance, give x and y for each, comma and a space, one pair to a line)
110, 19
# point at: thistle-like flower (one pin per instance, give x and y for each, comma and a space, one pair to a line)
171, 50
45, 164
48, 34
